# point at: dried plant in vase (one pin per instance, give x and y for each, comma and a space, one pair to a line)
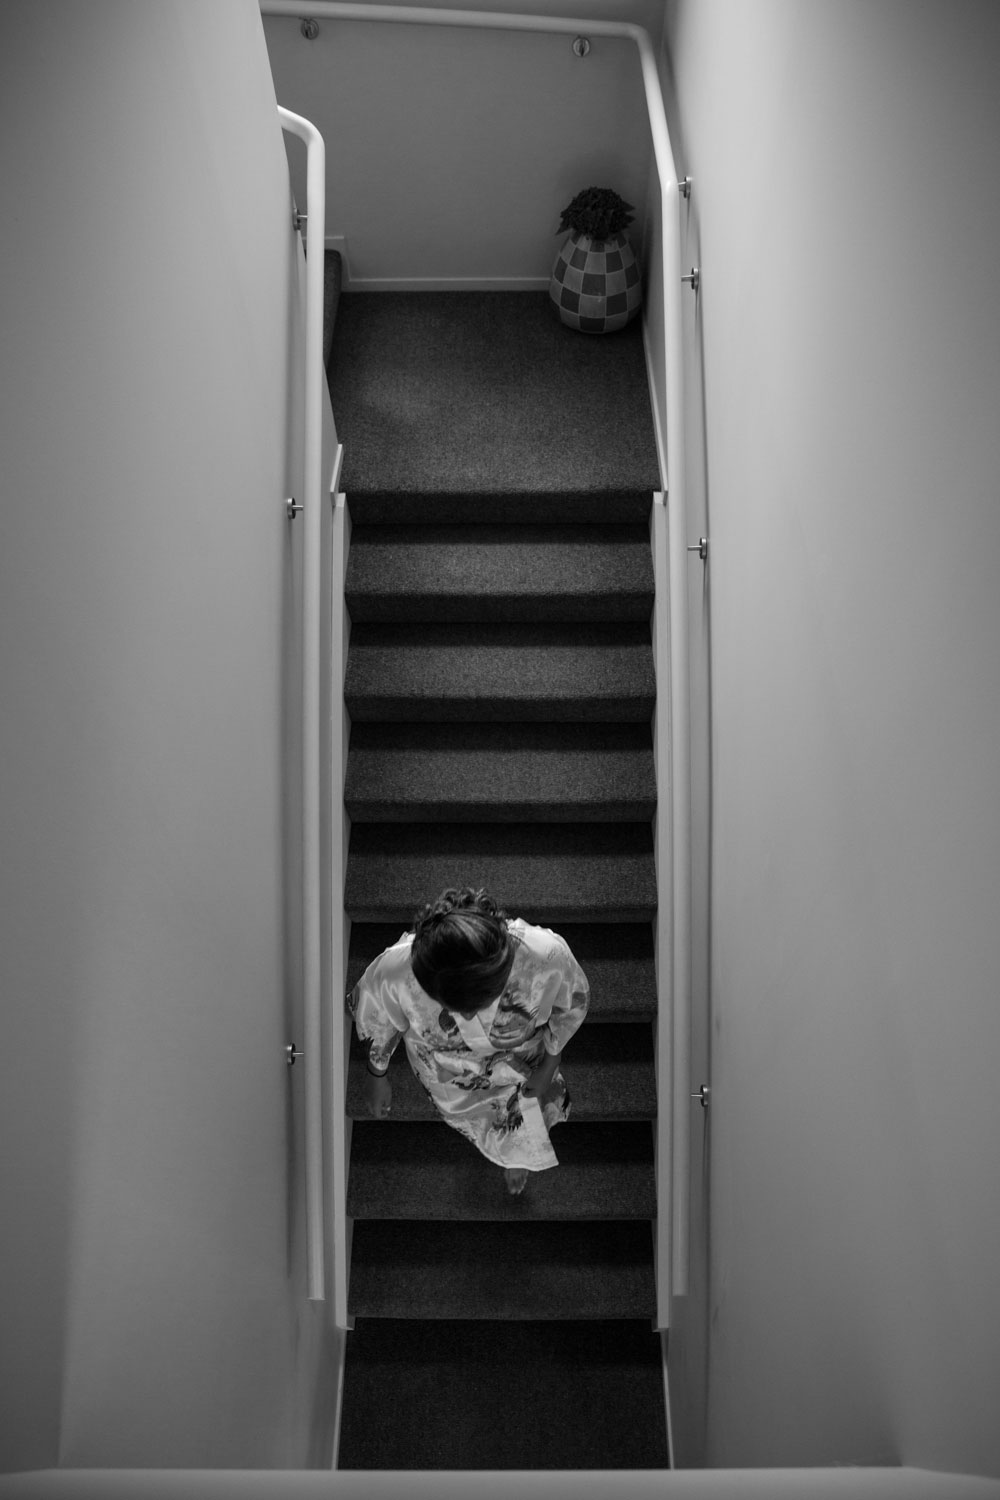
596, 285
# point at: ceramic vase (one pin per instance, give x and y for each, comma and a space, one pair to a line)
595, 284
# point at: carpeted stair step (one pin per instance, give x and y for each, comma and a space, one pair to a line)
488, 572
504, 671
610, 1073
445, 1382
588, 507
560, 1269
617, 958
500, 773
464, 392
421, 1171
546, 872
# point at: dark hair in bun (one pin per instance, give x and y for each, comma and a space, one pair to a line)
462, 952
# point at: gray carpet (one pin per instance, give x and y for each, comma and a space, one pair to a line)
605, 1172
499, 471
510, 773
489, 572
518, 1395
481, 393
514, 671
556, 871
554, 1269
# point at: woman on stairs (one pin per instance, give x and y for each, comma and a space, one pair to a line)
485, 1005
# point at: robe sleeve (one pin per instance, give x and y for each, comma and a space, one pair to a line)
378, 1016
570, 999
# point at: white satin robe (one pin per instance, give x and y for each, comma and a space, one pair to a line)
474, 1069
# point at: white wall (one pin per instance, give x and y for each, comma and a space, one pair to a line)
450, 152
151, 1262
846, 454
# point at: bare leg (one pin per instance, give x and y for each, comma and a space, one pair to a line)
515, 1179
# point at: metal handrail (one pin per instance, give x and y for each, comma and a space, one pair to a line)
674, 999
311, 790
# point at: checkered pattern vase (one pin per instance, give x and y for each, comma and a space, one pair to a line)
595, 284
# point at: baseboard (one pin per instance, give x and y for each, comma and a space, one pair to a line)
341, 1348
445, 284
338, 242
664, 1334
660, 436
338, 463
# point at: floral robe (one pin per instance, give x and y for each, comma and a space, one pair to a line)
474, 1069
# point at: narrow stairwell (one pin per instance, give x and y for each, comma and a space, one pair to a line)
500, 686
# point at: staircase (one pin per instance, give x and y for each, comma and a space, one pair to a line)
500, 687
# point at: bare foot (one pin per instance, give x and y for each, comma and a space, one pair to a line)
515, 1179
